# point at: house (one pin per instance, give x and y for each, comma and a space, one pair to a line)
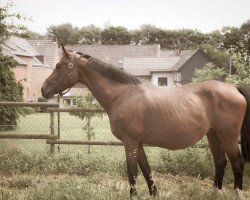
161, 67
37, 58
115, 54
32, 68
171, 69
48, 53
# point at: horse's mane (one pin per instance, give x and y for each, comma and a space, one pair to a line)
110, 71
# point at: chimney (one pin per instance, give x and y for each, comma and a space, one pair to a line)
179, 53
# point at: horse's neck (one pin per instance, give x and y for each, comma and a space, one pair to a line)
105, 90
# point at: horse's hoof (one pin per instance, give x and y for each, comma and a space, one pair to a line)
153, 191
239, 194
133, 192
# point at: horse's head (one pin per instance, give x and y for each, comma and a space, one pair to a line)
64, 76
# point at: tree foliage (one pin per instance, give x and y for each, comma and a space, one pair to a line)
218, 56
10, 89
208, 72
89, 35
115, 35
238, 72
150, 34
87, 101
64, 33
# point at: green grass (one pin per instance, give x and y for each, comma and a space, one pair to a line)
27, 171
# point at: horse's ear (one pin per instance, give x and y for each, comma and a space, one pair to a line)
65, 51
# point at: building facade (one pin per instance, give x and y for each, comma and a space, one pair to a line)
37, 58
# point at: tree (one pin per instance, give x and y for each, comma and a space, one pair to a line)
245, 28
90, 35
208, 72
10, 89
231, 37
218, 56
87, 101
239, 73
64, 33
29, 34
115, 35
7, 26
240, 66
147, 34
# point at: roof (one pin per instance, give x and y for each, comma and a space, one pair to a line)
144, 66
47, 48
16, 47
184, 57
114, 54
169, 61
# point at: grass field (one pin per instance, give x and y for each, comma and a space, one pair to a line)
28, 172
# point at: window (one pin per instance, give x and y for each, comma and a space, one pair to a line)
66, 101
74, 103
162, 81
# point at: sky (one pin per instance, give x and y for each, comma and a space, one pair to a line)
202, 15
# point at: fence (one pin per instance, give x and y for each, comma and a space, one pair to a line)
50, 125
57, 127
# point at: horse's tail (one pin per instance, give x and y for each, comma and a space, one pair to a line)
245, 129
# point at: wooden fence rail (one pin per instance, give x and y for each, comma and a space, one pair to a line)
76, 110
29, 104
83, 142
28, 136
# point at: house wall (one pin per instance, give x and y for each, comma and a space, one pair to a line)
171, 76
21, 76
38, 76
197, 61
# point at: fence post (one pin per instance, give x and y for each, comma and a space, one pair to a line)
60, 102
52, 131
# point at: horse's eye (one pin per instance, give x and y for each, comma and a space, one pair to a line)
58, 66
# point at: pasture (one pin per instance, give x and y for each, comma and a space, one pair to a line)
28, 171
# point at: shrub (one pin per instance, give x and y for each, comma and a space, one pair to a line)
42, 109
191, 162
10, 90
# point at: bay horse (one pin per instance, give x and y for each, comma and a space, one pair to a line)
172, 118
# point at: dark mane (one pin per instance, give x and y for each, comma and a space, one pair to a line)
112, 72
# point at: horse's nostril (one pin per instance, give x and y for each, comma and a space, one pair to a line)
42, 89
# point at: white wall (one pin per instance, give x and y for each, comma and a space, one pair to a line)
171, 76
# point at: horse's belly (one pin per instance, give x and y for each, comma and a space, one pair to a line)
176, 135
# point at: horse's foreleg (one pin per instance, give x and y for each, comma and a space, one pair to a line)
219, 156
143, 163
131, 150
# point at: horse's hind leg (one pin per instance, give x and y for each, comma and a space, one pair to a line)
237, 162
219, 156
143, 163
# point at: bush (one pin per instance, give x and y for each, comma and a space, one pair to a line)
10, 90
41, 109
192, 162
15, 161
